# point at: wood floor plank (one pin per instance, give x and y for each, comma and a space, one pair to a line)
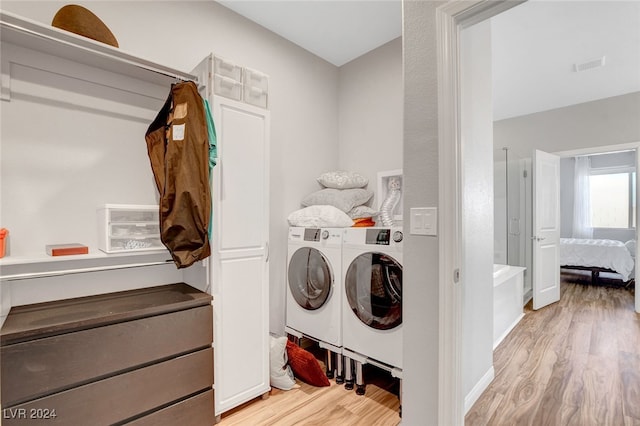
313, 406
575, 362
628, 333
629, 366
602, 402
485, 408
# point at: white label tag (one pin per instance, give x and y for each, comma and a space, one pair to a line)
177, 131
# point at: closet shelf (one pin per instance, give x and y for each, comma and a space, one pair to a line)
43, 265
44, 38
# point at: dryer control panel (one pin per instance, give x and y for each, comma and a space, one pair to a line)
378, 236
387, 237
315, 236
312, 234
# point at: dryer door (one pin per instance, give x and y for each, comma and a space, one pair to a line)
310, 278
373, 284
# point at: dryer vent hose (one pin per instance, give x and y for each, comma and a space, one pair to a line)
390, 202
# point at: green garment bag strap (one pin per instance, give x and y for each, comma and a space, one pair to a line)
213, 155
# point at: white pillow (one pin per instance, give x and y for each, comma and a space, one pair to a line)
319, 217
359, 212
631, 246
280, 373
344, 199
342, 180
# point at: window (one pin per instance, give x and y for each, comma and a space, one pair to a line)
613, 200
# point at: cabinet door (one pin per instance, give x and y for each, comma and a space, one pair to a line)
239, 265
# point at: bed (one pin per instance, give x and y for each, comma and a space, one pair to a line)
597, 256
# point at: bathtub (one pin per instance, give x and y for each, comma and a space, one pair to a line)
508, 287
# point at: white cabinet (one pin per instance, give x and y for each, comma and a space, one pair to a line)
239, 267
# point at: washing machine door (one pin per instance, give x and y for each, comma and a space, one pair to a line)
373, 286
310, 278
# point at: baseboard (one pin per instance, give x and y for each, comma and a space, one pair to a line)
527, 297
507, 331
477, 390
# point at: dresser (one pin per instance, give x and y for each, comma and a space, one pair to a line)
140, 357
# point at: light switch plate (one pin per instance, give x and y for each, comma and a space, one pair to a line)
423, 221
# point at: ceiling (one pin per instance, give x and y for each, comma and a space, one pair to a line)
535, 45
337, 31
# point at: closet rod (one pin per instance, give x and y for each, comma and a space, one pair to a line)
108, 55
48, 274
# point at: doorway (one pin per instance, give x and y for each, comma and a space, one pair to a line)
451, 20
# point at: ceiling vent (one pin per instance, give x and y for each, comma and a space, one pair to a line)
588, 65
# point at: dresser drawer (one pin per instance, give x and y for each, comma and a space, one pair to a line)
128, 395
196, 411
40, 367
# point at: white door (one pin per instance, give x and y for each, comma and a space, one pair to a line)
239, 268
546, 229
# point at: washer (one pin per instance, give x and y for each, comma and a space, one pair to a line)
314, 290
372, 303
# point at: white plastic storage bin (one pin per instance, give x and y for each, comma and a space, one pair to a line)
255, 96
227, 69
256, 79
256, 88
124, 227
227, 87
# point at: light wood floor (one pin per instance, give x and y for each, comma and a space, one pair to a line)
325, 406
575, 362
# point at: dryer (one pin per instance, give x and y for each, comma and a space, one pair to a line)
372, 303
314, 285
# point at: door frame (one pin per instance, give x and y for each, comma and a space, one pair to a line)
611, 148
451, 18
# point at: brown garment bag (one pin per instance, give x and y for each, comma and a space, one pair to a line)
178, 147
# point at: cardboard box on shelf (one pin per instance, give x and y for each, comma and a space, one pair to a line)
66, 249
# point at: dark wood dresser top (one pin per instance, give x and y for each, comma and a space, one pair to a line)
64, 316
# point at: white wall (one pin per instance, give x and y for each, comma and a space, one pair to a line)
477, 210
420, 168
303, 92
370, 113
610, 121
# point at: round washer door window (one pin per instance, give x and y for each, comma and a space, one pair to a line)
373, 285
310, 278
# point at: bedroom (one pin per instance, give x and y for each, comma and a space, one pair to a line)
608, 181
598, 202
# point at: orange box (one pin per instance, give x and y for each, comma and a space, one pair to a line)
66, 249
4, 232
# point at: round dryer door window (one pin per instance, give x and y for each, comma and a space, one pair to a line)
373, 284
310, 278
